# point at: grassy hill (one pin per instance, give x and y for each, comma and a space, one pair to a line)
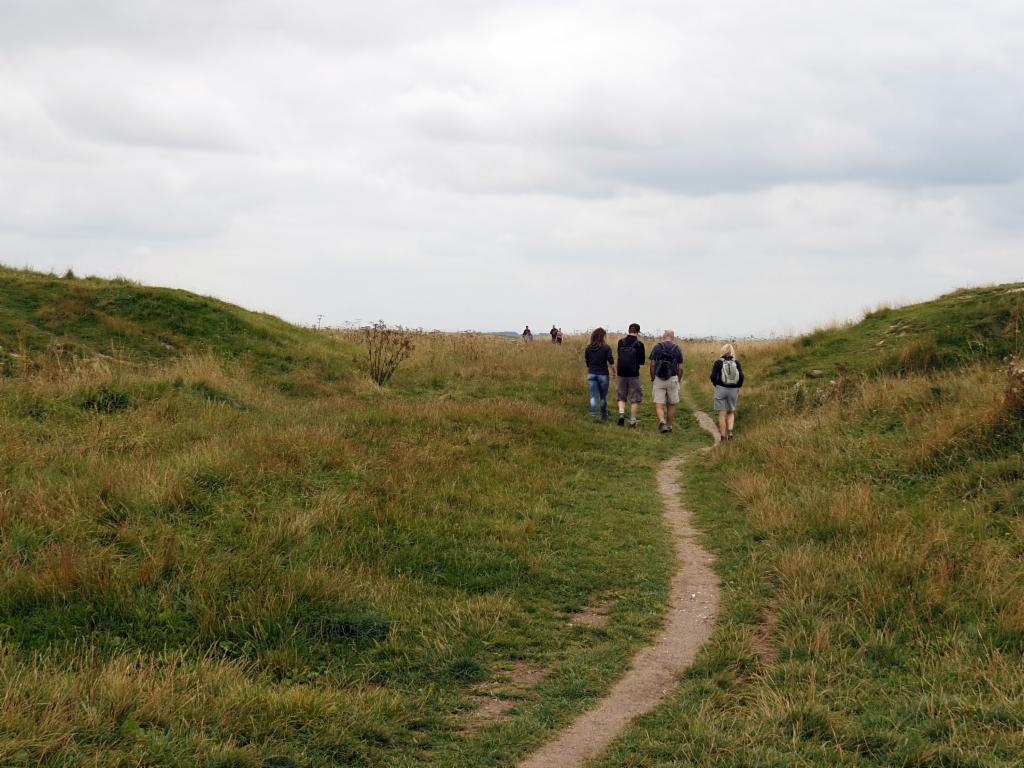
44, 315
221, 545
964, 327
869, 521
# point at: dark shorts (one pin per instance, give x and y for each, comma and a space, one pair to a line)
629, 389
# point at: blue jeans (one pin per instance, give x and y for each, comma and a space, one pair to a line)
598, 391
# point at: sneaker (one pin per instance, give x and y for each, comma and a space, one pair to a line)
731, 435
669, 428
622, 419
632, 423
604, 417
663, 428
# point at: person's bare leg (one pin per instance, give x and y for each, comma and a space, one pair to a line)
660, 410
723, 424
671, 415
732, 420
634, 409
622, 407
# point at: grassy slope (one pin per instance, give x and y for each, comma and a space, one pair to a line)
961, 328
221, 546
869, 525
43, 316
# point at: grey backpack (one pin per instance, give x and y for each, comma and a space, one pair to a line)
730, 372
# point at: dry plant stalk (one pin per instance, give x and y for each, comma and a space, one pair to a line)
1015, 386
386, 348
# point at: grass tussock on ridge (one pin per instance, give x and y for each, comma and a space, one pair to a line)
209, 562
870, 531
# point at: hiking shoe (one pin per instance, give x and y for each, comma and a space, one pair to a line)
622, 419
604, 417
669, 427
731, 435
632, 423
663, 428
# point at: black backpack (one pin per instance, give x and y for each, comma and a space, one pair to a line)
627, 357
665, 367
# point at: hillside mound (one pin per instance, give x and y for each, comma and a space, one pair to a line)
954, 330
42, 315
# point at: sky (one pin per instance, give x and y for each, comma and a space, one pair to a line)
721, 168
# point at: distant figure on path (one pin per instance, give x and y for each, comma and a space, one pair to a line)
727, 376
558, 336
666, 372
598, 357
527, 334
554, 333
631, 356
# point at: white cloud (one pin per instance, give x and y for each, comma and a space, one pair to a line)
487, 164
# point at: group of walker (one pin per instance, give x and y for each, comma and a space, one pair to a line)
556, 334
665, 366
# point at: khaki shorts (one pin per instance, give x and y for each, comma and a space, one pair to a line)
666, 391
629, 389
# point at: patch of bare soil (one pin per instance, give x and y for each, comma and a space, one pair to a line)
693, 605
595, 615
494, 700
764, 643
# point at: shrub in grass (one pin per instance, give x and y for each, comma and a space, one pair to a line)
386, 348
1014, 397
106, 398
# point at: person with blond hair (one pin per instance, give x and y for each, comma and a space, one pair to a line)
727, 376
666, 373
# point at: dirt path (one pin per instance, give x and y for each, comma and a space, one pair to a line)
693, 605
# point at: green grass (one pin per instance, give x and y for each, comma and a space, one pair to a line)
967, 326
44, 318
869, 530
223, 546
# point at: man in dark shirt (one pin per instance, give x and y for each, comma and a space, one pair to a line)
631, 357
666, 373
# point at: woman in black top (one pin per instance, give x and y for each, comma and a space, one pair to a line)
598, 357
727, 376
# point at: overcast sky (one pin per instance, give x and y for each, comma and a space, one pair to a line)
717, 167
